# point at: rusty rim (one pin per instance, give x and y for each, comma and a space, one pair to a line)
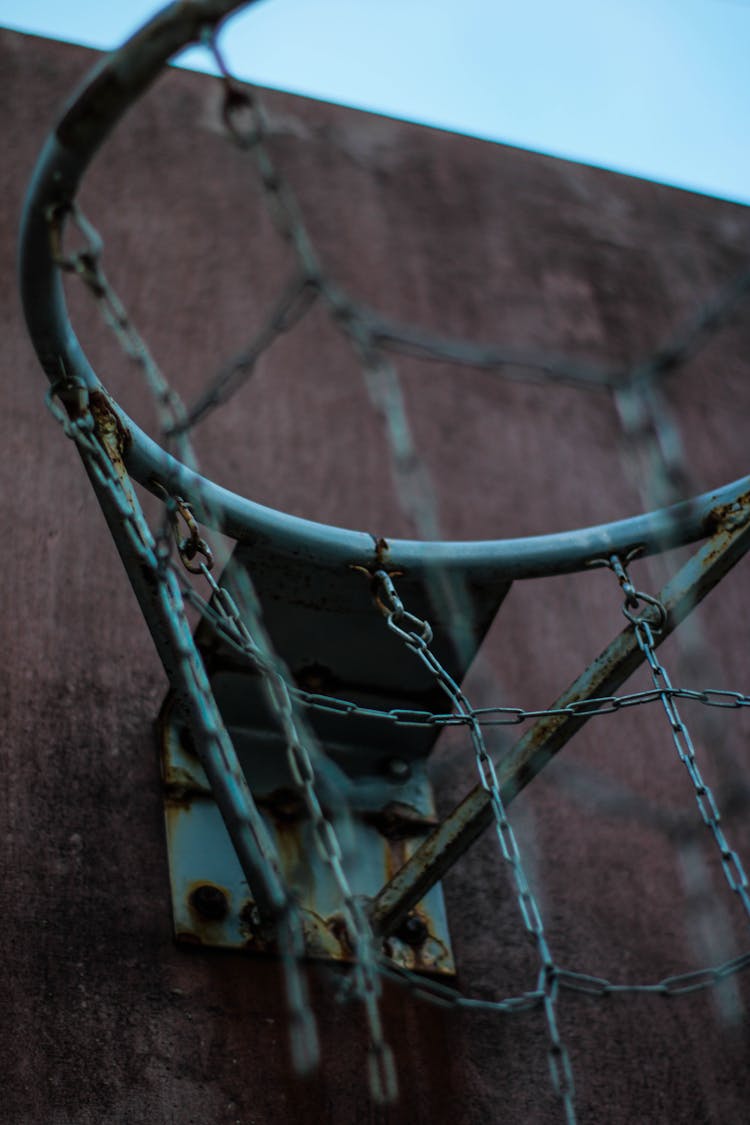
113, 86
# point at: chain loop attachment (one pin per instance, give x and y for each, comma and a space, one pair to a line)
634, 598
192, 545
413, 630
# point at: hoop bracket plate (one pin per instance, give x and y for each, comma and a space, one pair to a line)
334, 641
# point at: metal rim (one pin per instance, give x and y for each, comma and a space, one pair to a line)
113, 86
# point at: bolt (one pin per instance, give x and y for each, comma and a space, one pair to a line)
210, 902
398, 770
412, 931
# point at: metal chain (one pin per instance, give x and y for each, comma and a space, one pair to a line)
211, 738
301, 751
681, 984
175, 424
85, 263
513, 716
653, 447
643, 416
442, 995
635, 608
246, 125
416, 634
497, 715
639, 400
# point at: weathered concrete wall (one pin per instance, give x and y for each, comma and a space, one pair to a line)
106, 1020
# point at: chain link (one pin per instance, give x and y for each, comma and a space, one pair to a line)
210, 735
644, 633
644, 419
85, 263
301, 751
513, 716
497, 715
638, 398
679, 984
653, 443
417, 635
173, 420
682, 984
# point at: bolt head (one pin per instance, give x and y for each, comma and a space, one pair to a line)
210, 902
398, 770
412, 931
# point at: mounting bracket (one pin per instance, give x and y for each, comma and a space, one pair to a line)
335, 642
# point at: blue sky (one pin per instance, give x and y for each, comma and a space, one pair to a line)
656, 88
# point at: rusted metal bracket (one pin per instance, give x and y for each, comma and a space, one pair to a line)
549, 734
372, 781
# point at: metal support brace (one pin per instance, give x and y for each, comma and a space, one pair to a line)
548, 735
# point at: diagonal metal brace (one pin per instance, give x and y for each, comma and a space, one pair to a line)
549, 734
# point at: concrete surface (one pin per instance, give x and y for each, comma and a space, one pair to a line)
105, 1019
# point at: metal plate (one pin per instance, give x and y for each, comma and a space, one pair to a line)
334, 641
210, 898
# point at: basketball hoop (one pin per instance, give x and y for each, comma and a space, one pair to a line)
253, 729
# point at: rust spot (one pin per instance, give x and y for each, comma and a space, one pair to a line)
381, 549
398, 821
428, 959
524, 775
209, 901
258, 931
108, 422
337, 928
180, 785
285, 805
397, 853
727, 516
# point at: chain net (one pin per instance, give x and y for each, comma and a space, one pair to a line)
182, 559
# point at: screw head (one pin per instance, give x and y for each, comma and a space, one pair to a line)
210, 902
